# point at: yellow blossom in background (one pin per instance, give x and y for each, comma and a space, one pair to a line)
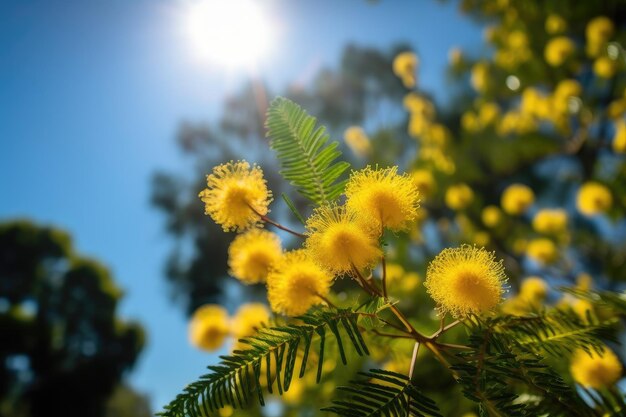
416, 104
480, 77
296, 283
558, 50
208, 327
582, 308
604, 67
488, 113
533, 290
584, 281
455, 57
593, 198
249, 318
404, 66
399, 280
357, 141
383, 197
550, 221
491, 216
481, 238
251, 255
226, 411
424, 181
619, 139
338, 241
555, 24
596, 371
465, 280
469, 122
459, 196
517, 198
236, 195
568, 88
542, 250
599, 30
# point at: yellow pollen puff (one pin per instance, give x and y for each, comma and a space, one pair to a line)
604, 67
459, 196
248, 319
555, 24
235, 191
533, 289
383, 197
582, 308
404, 66
251, 255
542, 250
480, 77
491, 216
619, 139
358, 141
558, 50
550, 221
568, 88
599, 30
465, 280
424, 181
594, 371
296, 283
338, 241
455, 57
488, 113
517, 198
208, 327
593, 198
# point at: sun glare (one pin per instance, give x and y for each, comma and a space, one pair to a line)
232, 33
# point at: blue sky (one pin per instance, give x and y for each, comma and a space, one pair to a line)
92, 93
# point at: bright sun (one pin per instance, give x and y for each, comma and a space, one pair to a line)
231, 33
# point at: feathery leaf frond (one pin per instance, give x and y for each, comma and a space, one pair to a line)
272, 356
300, 146
383, 393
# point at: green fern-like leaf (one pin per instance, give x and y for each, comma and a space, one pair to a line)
498, 369
383, 393
306, 161
556, 332
238, 377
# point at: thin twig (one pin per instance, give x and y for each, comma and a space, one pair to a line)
276, 224
416, 348
326, 300
384, 266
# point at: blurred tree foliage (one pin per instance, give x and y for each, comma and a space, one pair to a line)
361, 88
63, 349
527, 161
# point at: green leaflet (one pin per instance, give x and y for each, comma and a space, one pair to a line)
305, 159
238, 377
383, 393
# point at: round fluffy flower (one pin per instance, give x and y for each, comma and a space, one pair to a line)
208, 327
236, 192
465, 280
568, 88
619, 139
604, 67
424, 181
249, 318
459, 196
480, 77
404, 65
555, 24
558, 50
594, 371
296, 283
491, 216
599, 30
542, 250
517, 198
550, 221
338, 241
251, 255
533, 289
357, 140
593, 198
383, 197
